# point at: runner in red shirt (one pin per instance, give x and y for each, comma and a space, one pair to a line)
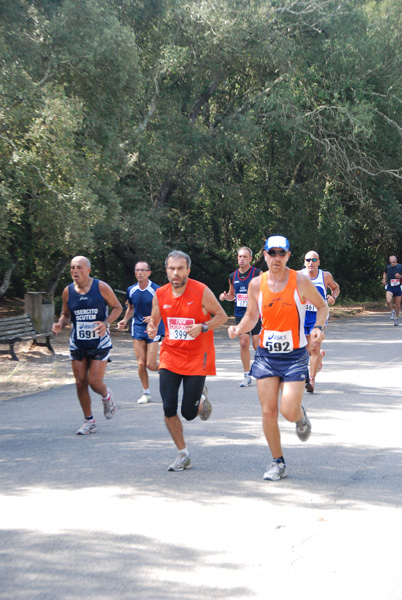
187, 353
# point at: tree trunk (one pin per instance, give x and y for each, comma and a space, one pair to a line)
53, 279
6, 279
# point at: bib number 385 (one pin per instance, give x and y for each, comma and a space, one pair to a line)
278, 342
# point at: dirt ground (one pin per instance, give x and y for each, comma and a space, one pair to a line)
38, 369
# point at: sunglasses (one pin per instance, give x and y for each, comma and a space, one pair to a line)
311, 259
275, 252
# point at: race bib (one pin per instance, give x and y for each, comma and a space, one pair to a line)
86, 330
241, 300
278, 342
310, 307
178, 329
394, 282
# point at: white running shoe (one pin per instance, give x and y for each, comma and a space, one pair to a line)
275, 471
246, 380
303, 427
87, 427
396, 321
109, 407
181, 462
145, 399
393, 313
206, 406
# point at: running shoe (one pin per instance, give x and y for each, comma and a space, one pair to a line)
109, 407
310, 385
396, 322
181, 462
145, 399
246, 380
206, 406
275, 471
392, 317
87, 427
303, 427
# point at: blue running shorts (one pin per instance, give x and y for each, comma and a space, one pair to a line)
292, 366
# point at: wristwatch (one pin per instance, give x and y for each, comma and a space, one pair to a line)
318, 327
204, 327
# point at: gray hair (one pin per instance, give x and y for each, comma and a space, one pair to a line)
179, 254
246, 248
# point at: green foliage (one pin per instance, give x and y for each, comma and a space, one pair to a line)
131, 127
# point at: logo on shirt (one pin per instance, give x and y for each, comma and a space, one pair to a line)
83, 298
167, 306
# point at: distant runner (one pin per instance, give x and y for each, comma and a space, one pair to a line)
239, 281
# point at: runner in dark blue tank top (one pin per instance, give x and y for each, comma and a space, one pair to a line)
239, 281
392, 280
85, 304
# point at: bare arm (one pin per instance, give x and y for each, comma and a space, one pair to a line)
252, 313
230, 295
111, 300
154, 321
128, 314
333, 286
209, 305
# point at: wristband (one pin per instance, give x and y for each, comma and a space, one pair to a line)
204, 327
318, 327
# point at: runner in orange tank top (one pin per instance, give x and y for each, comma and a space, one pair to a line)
281, 360
187, 353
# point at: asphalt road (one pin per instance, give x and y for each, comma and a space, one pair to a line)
99, 516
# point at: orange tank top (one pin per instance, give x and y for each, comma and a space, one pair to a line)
179, 353
282, 316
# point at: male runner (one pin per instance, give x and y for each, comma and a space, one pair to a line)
187, 353
139, 299
392, 280
322, 281
239, 281
281, 359
85, 304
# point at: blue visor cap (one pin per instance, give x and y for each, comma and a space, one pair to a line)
276, 241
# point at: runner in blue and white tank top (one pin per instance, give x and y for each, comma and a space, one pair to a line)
86, 311
322, 281
85, 305
239, 281
139, 307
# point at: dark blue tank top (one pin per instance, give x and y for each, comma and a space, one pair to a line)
85, 309
240, 287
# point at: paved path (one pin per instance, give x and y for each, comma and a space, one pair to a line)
100, 517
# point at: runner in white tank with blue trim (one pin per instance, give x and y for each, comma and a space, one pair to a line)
139, 307
85, 304
322, 281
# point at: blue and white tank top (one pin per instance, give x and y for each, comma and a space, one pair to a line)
321, 287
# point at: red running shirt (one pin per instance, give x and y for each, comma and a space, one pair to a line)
178, 353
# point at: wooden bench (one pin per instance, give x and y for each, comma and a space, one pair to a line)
21, 329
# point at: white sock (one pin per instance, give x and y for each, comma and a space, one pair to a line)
147, 391
184, 452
